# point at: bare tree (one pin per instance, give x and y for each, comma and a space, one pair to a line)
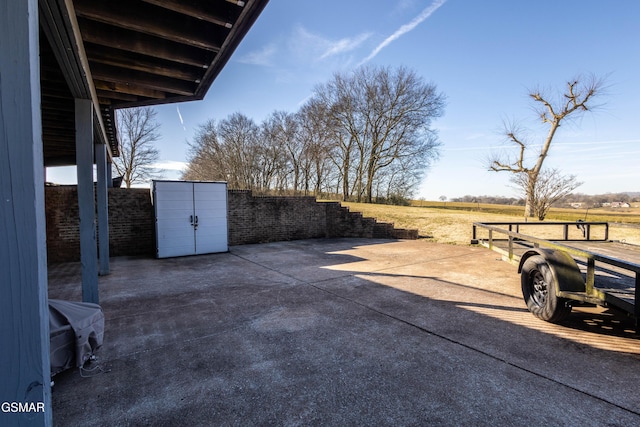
380, 116
339, 97
273, 164
206, 155
239, 135
400, 179
284, 129
138, 130
550, 187
363, 133
228, 151
575, 101
317, 143
400, 107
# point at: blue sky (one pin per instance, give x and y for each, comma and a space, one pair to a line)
483, 55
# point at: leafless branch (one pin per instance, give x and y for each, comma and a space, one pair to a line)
575, 100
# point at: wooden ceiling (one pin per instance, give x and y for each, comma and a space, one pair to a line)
132, 53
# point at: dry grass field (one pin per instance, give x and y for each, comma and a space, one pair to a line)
450, 222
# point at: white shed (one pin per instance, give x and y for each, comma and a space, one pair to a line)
191, 217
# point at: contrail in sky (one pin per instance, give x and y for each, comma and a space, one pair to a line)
405, 28
180, 117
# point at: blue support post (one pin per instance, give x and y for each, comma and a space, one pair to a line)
86, 200
25, 377
103, 208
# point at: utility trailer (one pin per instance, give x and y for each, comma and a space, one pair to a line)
566, 264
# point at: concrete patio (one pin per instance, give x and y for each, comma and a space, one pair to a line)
341, 332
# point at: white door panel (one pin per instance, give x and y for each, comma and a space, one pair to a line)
191, 218
210, 200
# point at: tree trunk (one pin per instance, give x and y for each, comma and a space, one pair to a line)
369, 186
528, 208
345, 177
530, 202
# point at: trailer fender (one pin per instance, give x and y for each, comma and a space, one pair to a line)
563, 267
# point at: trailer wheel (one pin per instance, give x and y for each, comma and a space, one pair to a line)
539, 288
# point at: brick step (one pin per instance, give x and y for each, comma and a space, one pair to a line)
383, 230
370, 227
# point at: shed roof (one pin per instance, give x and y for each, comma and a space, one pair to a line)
127, 53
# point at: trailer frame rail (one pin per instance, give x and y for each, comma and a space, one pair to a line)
500, 233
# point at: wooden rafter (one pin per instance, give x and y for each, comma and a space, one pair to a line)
131, 53
148, 64
130, 41
154, 21
212, 12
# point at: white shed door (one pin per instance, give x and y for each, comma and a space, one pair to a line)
210, 206
191, 217
174, 212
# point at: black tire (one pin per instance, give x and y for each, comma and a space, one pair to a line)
539, 288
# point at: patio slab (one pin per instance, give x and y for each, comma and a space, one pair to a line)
341, 332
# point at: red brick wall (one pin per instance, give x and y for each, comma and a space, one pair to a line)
272, 219
251, 220
63, 232
131, 223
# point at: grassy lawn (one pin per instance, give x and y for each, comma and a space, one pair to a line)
450, 222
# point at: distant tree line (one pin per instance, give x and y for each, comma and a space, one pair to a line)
587, 201
493, 200
599, 200
364, 136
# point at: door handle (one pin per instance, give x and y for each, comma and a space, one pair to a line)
191, 219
